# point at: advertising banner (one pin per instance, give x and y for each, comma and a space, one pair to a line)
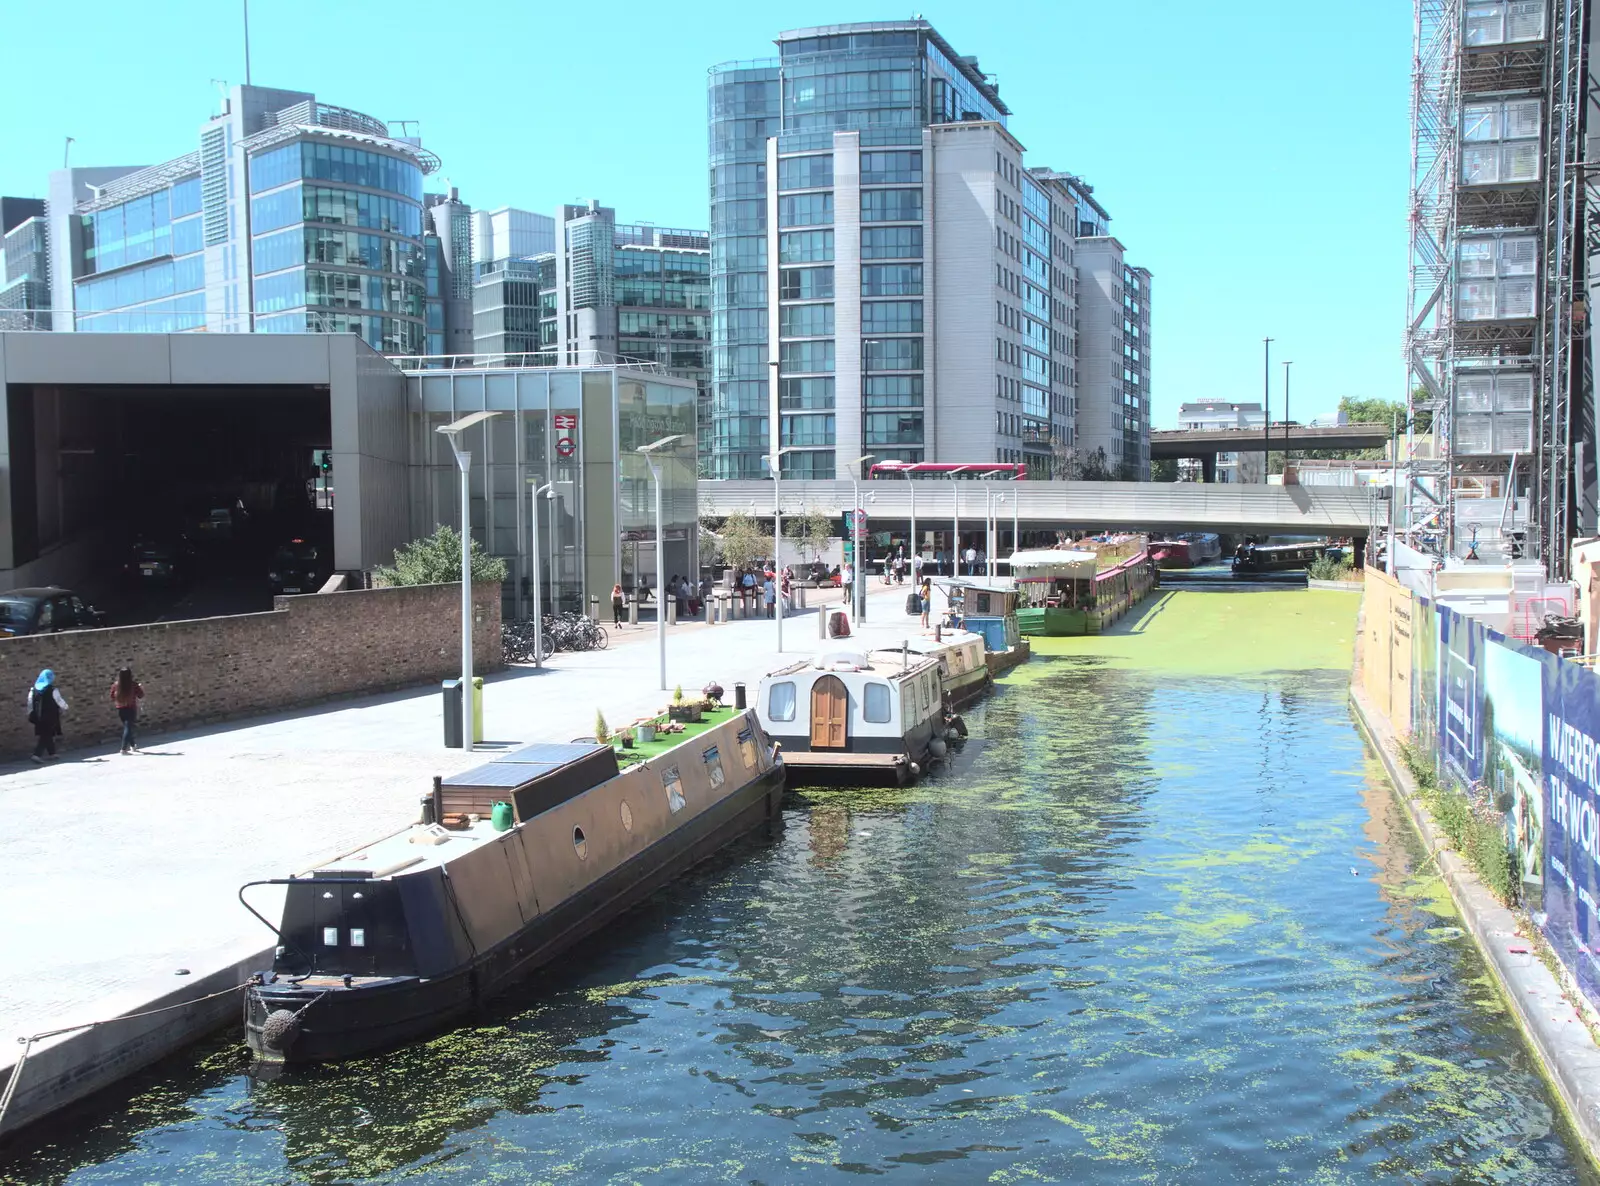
1461, 645
1425, 676
1512, 719
1571, 819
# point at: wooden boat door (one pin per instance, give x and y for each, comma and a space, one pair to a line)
830, 707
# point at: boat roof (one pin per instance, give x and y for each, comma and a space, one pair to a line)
523, 765
928, 645
843, 662
1042, 561
998, 585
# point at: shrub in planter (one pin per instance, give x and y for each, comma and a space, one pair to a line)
686, 710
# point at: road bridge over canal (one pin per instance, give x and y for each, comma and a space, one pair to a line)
1133, 506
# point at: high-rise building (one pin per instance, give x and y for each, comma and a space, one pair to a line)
447, 240
1113, 361
514, 284
292, 215
1212, 415
24, 265
608, 291
878, 243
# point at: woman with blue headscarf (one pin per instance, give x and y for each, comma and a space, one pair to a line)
45, 706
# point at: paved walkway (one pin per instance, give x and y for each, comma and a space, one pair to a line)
121, 870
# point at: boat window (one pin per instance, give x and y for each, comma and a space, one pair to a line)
875, 704
674, 786
358, 937
330, 936
580, 844
780, 702
713, 761
747, 748
627, 816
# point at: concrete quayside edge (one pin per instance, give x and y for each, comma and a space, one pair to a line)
1560, 1039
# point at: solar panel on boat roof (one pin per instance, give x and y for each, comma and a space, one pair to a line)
550, 753
496, 774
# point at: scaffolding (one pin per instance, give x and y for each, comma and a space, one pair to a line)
1495, 333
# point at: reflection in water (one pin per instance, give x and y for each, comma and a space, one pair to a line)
1154, 930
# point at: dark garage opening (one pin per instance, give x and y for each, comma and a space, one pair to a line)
183, 493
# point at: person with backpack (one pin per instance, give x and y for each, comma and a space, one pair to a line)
616, 604
45, 706
126, 692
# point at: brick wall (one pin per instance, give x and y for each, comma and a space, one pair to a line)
308, 649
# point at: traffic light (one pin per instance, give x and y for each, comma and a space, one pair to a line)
325, 460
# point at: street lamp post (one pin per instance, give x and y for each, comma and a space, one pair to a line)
774, 463
453, 433
1266, 407
1286, 366
648, 452
859, 601
535, 493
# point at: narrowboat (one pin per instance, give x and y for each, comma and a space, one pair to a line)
514, 861
879, 714
1255, 558
989, 609
1188, 550
963, 674
1073, 591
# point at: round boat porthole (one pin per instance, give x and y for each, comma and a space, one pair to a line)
580, 844
627, 816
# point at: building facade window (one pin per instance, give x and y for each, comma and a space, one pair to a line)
804, 431
891, 280
892, 391
806, 395
803, 247
806, 357
893, 242
891, 168
891, 205
805, 321
805, 284
891, 354
891, 317
805, 172
805, 210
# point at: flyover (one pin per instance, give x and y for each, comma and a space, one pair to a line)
1135, 506
1208, 442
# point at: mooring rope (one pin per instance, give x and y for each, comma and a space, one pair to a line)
29, 1042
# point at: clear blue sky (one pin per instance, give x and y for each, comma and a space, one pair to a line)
1253, 154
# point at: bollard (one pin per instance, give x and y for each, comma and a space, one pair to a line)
594, 606
670, 604
633, 608
822, 621
800, 596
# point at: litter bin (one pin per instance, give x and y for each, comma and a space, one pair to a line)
477, 709
452, 713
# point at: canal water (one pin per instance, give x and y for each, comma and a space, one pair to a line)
1153, 925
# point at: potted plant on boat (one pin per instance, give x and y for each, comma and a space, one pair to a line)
684, 710
644, 732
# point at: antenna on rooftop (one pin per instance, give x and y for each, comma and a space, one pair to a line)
66, 152
246, 42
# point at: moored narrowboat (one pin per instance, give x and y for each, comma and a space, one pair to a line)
876, 714
1255, 558
989, 609
963, 674
523, 856
1077, 591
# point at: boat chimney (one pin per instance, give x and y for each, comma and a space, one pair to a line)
905, 655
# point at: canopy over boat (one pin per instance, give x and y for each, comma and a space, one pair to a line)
1054, 564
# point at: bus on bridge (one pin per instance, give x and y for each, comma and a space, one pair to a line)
1003, 471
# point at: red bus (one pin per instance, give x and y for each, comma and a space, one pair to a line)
999, 471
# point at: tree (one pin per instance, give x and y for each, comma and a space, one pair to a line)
1163, 469
744, 541
810, 530
436, 560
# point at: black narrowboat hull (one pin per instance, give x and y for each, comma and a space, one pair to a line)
332, 1022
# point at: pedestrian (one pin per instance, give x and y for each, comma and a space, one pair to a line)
847, 574
769, 591
126, 692
972, 561
616, 604
925, 595
785, 591
45, 706
747, 592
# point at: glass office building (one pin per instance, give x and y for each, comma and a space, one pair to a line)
292, 216
888, 279
577, 428
24, 265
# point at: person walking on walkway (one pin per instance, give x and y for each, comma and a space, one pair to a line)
616, 605
925, 595
126, 692
847, 575
769, 593
785, 590
972, 561
45, 706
